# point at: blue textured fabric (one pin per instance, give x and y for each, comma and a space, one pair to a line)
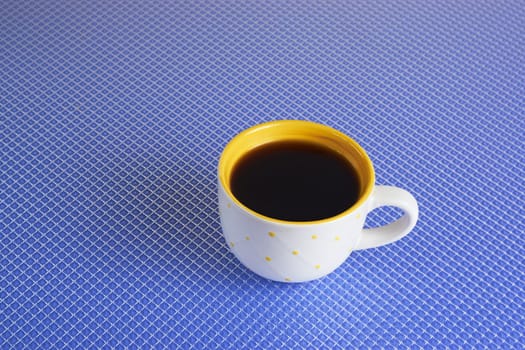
113, 115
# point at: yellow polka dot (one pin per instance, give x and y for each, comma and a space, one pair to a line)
314, 236
268, 258
288, 279
232, 244
337, 238
318, 266
247, 238
295, 252
271, 234
229, 205
358, 216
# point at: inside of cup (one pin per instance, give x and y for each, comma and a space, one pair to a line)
303, 131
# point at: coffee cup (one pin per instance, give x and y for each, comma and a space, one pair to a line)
277, 185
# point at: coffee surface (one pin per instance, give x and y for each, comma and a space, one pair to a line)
295, 181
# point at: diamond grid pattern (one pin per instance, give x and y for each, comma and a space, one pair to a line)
112, 119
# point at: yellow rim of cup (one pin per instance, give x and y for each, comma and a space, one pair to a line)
296, 130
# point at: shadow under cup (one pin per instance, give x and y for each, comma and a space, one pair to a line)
300, 131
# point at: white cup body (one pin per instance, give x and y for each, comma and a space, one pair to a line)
289, 252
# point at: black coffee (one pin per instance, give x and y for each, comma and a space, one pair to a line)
295, 181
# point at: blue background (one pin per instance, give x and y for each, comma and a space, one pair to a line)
113, 115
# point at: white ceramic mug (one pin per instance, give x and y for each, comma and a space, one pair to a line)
289, 251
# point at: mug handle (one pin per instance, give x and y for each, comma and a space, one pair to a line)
391, 196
